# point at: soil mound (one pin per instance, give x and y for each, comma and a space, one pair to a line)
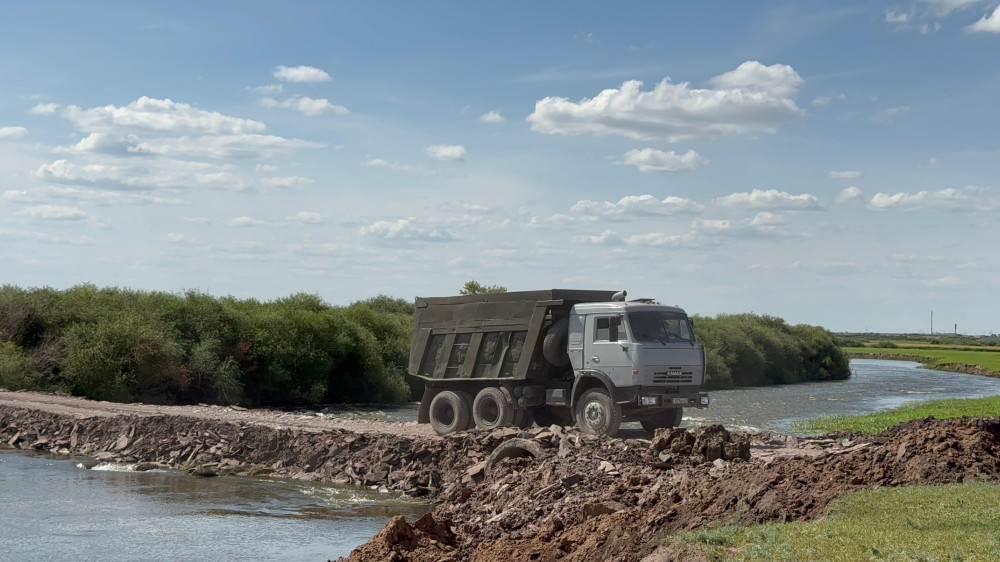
610, 499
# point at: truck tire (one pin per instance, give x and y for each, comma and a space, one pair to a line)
597, 413
667, 418
523, 418
450, 412
554, 344
491, 409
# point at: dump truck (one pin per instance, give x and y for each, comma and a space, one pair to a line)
554, 356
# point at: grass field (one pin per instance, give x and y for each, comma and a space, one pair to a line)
938, 355
954, 522
880, 421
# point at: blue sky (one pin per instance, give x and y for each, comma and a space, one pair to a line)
832, 163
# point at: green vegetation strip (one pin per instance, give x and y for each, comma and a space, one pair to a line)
877, 422
986, 358
953, 522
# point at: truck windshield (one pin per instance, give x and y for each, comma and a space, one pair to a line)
660, 326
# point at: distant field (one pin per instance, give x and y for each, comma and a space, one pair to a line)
988, 359
880, 421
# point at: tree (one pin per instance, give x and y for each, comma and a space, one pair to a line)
475, 288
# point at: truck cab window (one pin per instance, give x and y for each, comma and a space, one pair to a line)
607, 328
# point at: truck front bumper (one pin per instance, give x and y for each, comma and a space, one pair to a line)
655, 400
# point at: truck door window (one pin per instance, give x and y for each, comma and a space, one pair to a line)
607, 328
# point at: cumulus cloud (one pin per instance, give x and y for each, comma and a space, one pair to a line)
405, 230
306, 217
989, 23
653, 160
147, 175
267, 89
751, 99
636, 205
248, 221
446, 152
44, 109
52, 212
305, 105
382, 163
970, 198
766, 220
161, 115
892, 16
12, 132
174, 237
843, 174
491, 117
889, 113
849, 194
769, 199
606, 238
301, 74
286, 181
656, 239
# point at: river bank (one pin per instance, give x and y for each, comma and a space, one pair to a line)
559, 494
929, 363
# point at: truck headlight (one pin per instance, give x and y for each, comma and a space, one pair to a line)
704, 400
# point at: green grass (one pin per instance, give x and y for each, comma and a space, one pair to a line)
954, 522
880, 421
986, 358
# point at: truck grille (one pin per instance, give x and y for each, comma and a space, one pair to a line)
673, 376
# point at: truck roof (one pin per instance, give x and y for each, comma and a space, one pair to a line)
605, 307
558, 296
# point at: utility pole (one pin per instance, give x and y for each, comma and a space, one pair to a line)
932, 322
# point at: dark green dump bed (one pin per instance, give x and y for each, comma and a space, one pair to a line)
495, 336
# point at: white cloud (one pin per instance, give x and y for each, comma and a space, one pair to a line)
12, 132
45, 237
305, 105
636, 205
286, 181
987, 24
946, 281
196, 220
405, 230
446, 152
223, 146
712, 225
889, 113
820, 100
491, 117
44, 109
606, 238
945, 7
174, 237
47, 193
769, 199
751, 99
766, 220
267, 89
657, 239
162, 115
653, 160
306, 217
970, 198
146, 175
301, 74
892, 16
382, 163
848, 194
844, 174
248, 221
52, 212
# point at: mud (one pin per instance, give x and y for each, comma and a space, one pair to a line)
539, 494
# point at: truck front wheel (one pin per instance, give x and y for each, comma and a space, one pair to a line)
450, 412
667, 418
491, 409
597, 413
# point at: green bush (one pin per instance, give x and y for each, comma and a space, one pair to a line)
16, 371
753, 350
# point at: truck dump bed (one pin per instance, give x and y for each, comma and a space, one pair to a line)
485, 337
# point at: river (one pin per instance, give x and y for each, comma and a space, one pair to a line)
57, 509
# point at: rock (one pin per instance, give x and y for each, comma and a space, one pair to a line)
593, 509
203, 471
121, 443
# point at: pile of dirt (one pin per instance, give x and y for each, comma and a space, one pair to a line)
613, 499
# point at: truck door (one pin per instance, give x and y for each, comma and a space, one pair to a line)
608, 345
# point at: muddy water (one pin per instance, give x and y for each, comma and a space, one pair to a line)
59, 510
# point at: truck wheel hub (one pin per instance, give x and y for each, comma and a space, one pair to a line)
594, 414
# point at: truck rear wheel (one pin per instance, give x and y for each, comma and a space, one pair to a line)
667, 418
554, 344
597, 413
491, 409
450, 412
